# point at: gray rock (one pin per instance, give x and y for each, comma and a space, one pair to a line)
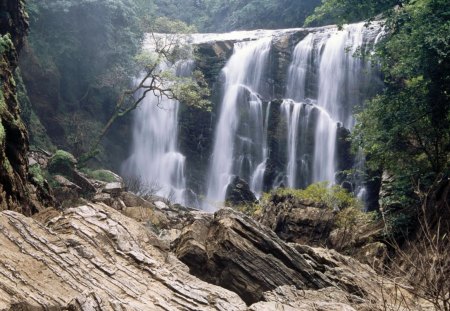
114, 188
94, 258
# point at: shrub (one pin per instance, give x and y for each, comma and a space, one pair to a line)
37, 174
102, 175
62, 162
334, 197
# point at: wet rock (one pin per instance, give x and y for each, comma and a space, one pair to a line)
238, 192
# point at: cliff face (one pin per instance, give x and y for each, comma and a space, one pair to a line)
15, 191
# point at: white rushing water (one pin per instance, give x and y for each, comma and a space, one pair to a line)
329, 60
325, 81
234, 141
155, 163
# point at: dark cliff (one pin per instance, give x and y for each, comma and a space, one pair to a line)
16, 192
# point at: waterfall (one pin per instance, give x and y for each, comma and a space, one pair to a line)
155, 162
257, 179
325, 71
238, 146
293, 146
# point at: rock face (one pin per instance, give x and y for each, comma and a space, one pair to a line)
237, 253
16, 192
93, 258
298, 221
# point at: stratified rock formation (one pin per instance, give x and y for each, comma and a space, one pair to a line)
93, 258
237, 253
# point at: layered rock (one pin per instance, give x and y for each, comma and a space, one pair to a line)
237, 253
93, 258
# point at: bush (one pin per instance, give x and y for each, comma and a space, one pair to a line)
334, 197
37, 174
62, 162
102, 175
250, 209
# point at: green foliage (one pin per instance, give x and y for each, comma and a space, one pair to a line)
36, 174
193, 91
251, 209
400, 224
406, 128
102, 175
353, 217
333, 197
85, 40
2, 134
348, 11
5, 43
62, 162
219, 15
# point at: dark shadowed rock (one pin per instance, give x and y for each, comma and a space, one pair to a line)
238, 192
237, 253
298, 221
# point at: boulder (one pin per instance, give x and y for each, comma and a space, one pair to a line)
114, 188
63, 163
238, 192
298, 221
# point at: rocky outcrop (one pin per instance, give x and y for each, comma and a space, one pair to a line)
298, 221
238, 193
302, 221
93, 258
237, 253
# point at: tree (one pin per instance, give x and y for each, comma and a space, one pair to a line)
169, 46
349, 11
406, 128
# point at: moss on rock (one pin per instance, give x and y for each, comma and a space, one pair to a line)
62, 162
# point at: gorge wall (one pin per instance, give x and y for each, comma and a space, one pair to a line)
16, 191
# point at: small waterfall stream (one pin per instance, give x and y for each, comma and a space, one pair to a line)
156, 163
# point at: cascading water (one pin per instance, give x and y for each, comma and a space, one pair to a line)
325, 68
239, 147
295, 147
155, 163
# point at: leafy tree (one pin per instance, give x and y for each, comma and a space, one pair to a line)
406, 128
348, 11
220, 15
169, 46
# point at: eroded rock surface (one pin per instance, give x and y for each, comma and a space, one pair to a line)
93, 258
238, 253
